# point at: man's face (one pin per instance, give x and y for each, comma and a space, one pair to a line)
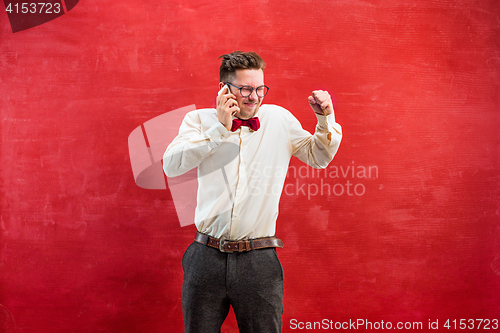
248, 105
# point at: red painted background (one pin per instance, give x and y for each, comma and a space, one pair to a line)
416, 89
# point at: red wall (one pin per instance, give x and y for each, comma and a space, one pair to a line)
416, 89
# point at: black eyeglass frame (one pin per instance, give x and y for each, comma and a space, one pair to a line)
250, 87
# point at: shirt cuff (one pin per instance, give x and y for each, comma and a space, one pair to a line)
217, 133
325, 121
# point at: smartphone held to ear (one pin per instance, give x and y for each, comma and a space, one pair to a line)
225, 90
222, 90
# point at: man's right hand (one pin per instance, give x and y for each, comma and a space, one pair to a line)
226, 108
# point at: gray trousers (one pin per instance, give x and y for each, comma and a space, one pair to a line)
251, 282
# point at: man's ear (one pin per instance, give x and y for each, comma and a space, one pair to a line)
221, 84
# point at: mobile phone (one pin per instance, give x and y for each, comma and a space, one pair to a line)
229, 92
220, 91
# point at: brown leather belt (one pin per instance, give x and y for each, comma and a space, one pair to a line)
238, 246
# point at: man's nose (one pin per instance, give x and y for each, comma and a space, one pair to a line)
253, 96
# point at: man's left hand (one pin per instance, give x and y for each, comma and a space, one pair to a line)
321, 102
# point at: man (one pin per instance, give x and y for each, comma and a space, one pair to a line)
233, 260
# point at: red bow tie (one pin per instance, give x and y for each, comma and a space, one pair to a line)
253, 123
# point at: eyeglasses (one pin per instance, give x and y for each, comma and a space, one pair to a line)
246, 91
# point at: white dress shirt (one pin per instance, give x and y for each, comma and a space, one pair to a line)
241, 174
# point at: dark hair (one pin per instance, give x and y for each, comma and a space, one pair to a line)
238, 60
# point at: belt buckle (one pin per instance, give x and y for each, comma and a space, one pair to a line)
221, 245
